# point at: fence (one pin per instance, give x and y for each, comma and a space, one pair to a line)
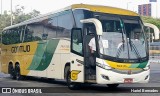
154, 52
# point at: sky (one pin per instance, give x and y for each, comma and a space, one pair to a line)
46, 6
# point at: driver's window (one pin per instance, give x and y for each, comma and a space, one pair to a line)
77, 41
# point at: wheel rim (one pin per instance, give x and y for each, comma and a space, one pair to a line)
17, 75
12, 73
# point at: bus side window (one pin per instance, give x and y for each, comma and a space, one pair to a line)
8, 37
36, 31
27, 35
17, 34
33, 32
76, 41
4, 37
50, 28
65, 24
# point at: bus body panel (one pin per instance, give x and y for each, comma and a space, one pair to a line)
29, 61
77, 68
116, 73
19, 53
58, 59
117, 78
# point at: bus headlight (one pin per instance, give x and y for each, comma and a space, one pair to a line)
105, 77
146, 68
104, 66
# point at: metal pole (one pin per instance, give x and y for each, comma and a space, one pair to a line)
128, 4
1, 7
156, 9
11, 14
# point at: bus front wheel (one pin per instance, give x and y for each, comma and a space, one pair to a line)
71, 85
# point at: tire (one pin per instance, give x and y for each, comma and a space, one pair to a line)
11, 71
112, 85
71, 85
17, 73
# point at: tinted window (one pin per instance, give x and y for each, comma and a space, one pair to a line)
80, 14
50, 28
11, 36
15, 36
65, 24
4, 37
33, 32
77, 41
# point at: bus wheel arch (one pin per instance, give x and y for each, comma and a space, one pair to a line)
67, 65
71, 85
11, 70
10, 65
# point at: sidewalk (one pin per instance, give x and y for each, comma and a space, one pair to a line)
3, 75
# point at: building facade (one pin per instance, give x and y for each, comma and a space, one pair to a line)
145, 9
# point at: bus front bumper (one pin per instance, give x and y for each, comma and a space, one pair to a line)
111, 77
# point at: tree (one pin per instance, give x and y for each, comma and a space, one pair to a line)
34, 13
18, 16
4, 20
151, 20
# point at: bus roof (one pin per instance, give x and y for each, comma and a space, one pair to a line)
94, 8
105, 9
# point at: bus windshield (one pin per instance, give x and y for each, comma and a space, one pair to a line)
122, 38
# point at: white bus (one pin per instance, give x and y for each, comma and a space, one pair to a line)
55, 45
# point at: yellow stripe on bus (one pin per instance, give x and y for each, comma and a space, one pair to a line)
105, 9
122, 66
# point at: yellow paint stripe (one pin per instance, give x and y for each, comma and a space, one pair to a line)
122, 66
105, 9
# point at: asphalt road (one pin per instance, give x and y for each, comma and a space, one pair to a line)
60, 88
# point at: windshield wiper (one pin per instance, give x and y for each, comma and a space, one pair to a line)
121, 46
120, 50
123, 42
134, 48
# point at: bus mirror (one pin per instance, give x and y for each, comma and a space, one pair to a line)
147, 31
96, 22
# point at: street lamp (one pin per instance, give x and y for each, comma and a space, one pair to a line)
1, 7
11, 14
156, 9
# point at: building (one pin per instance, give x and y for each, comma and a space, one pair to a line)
145, 9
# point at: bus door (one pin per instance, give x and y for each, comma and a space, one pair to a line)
89, 57
77, 56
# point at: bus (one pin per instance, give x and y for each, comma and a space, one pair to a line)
55, 46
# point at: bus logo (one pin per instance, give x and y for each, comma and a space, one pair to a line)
6, 90
74, 74
129, 72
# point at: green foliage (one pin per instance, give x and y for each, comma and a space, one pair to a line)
4, 20
151, 20
18, 16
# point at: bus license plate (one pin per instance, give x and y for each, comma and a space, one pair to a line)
128, 80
